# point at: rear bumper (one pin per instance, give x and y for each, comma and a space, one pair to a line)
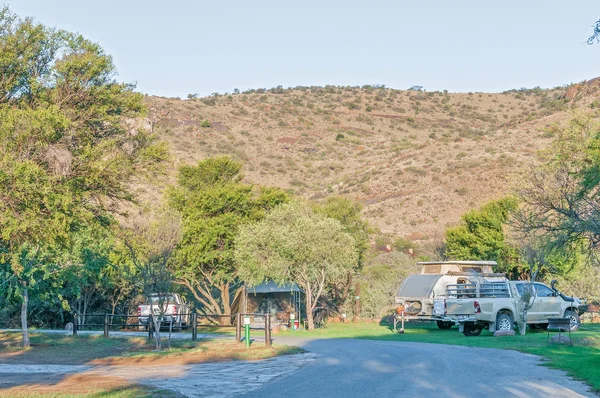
166, 319
421, 318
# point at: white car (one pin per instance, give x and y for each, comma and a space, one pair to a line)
175, 309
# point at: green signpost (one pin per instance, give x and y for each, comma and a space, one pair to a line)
247, 330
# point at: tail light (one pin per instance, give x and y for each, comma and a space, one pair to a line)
477, 307
139, 311
174, 310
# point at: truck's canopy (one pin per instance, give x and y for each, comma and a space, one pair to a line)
418, 286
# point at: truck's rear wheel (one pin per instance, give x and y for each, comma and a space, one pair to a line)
575, 321
504, 323
444, 325
472, 330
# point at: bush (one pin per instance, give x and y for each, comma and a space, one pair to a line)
462, 191
339, 137
402, 244
379, 281
205, 123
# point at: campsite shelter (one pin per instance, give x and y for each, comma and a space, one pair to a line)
270, 298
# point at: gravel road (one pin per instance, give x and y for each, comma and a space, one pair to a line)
367, 368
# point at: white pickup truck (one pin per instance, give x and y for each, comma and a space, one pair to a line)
417, 293
495, 306
175, 309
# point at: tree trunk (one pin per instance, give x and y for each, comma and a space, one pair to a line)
24, 305
309, 310
225, 299
157, 322
523, 322
357, 303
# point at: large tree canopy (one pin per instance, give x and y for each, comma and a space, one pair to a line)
481, 235
561, 196
213, 204
66, 157
348, 213
295, 245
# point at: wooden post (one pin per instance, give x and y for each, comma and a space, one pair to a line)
106, 325
75, 321
402, 328
268, 330
357, 302
150, 327
238, 327
194, 326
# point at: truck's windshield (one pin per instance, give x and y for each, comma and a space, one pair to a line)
543, 290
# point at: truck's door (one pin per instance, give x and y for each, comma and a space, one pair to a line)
533, 315
548, 305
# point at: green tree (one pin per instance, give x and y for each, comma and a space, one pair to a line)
481, 235
213, 204
295, 245
66, 157
151, 241
561, 196
348, 213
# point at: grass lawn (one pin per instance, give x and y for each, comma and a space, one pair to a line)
131, 391
581, 361
85, 349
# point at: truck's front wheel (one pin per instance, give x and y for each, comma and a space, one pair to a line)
472, 330
444, 325
575, 321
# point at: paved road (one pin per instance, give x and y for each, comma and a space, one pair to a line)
366, 368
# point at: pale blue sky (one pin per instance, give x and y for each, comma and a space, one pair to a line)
172, 48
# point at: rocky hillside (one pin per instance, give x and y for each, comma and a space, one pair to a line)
417, 160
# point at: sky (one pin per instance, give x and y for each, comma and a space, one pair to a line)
174, 48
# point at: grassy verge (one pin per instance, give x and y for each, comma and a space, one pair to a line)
60, 349
114, 392
581, 360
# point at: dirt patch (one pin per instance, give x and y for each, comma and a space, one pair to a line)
287, 140
196, 356
43, 383
219, 126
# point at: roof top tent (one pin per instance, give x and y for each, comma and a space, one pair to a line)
277, 300
483, 268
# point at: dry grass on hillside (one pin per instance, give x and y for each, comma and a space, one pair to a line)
417, 160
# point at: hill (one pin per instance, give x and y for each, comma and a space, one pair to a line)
417, 160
